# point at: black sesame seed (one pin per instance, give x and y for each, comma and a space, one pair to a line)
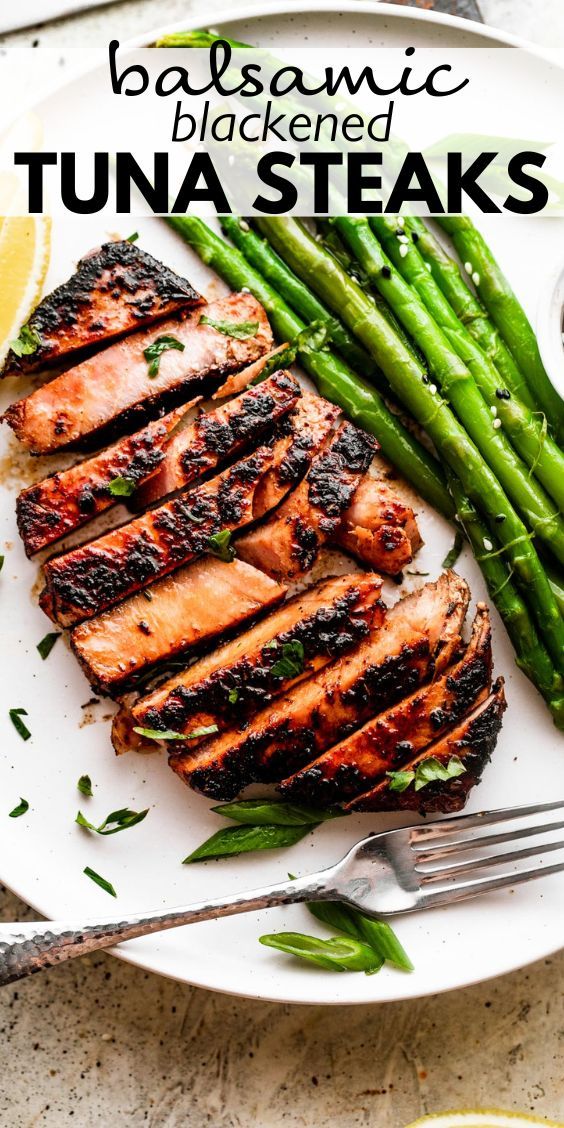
386, 272
499, 518
415, 236
503, 393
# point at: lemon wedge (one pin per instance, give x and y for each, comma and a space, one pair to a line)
482, 1118
25, 249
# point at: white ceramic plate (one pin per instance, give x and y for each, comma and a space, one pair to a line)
43, 854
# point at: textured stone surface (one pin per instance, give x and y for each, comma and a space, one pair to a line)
98, 1042
104, 1043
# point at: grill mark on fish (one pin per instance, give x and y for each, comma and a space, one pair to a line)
219, 434
115, 290
112, 392
473, 741
387, 740
330, 705
68, 499
288, 543
326, 621
91, 578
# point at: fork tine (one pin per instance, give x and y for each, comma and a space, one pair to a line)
464, 890
462, 845
454, 869
442, 827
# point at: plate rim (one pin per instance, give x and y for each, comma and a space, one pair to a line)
378, 9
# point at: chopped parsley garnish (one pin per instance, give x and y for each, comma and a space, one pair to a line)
46, 645
240, 330
2, 558
19, 725
168, 734
454, 552
155, 350
85, 786
133, 237
233, 696
292, 661
101, 881
116, 821
21, 809
122, 487
219, 544
428, 771
27, 343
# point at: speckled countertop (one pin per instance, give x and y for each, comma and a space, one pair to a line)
99, 1042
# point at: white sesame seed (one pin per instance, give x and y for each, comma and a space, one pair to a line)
106, 1037
487, 544
403, 250
468, 267
403, 239
401, 221
244, 290
476, 278
244, 225
497, 424
433, 389
493, 410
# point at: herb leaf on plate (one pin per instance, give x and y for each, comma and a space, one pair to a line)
240, 330
454, 551
376, 933
270, 812
155, 350
340, 953
169, 734
21, 809
122, 487
291, 664
19, 725
219, 544
85, 786
233, 840
27, 342
101, 881
116, 821
46, 645
428, 771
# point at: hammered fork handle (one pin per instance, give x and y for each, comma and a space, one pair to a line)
30, 947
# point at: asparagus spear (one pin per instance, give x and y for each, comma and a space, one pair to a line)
506, 312
457, 384
531, 656
522, 427
333, 377
306, 305
320, 270
468, 309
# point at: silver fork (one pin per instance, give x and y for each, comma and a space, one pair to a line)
399, 871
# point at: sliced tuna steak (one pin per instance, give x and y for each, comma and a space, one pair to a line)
388, 740
194, 604
118, 389
419, 630
67, 500
115, 289
471, 743
286, 546
218, 435
242, 676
